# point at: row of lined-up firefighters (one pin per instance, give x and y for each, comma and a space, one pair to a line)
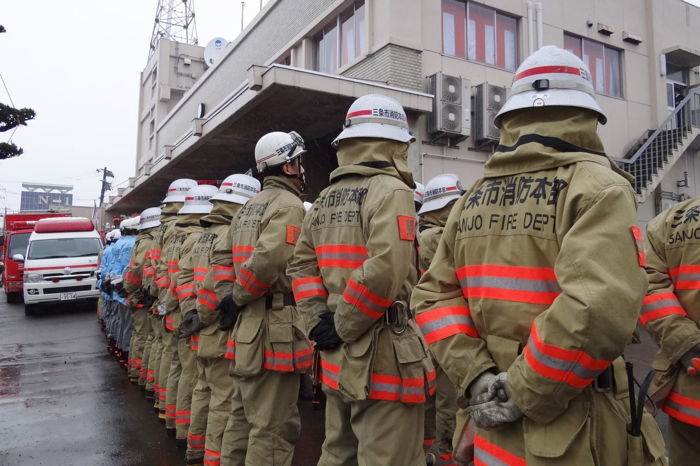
514, 300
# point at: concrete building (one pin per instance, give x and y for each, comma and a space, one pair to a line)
300, 63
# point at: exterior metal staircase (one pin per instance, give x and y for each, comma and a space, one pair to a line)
659, 149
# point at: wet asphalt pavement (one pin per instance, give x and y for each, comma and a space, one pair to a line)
64, 400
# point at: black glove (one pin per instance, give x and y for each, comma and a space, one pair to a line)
190, 324
119, 288
324, 333
228, 313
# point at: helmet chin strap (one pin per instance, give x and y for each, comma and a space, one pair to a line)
300, 175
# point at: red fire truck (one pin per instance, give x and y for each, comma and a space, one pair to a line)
18, 227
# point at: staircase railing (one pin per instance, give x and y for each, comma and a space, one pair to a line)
655, 152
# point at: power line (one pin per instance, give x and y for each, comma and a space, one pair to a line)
7, 90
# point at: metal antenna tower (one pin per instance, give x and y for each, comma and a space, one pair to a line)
174, 21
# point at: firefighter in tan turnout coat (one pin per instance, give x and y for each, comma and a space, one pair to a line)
671, 314
354, 265
182, 366
267, 346
536, 285
138, 301
211, 398
440, 194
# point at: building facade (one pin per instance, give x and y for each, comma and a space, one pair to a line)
300, 63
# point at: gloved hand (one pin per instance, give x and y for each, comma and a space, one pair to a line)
119, 288
190, 324
162, 309
228, 312
324, 333
496, 407
691, 360
145, 298
479, 387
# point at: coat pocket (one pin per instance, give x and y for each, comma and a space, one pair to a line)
249, 344
356, 366
416, 369
552, 440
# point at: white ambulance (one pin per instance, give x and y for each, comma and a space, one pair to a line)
61, 261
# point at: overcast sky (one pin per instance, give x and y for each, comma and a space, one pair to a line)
77, 64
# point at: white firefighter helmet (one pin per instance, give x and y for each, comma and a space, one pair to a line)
440, 191
238, 189
116, 234
197, 200
551, 77
307, 205
375, 116
129, 223
150, 218
277, 148
419, 193
178, 189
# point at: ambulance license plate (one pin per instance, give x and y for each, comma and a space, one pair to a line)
68, 296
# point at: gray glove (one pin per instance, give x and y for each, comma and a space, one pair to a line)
691, 360
495, 407
480, 386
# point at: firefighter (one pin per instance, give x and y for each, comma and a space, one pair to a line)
270, 347
211, 397
122, 255
440, 194
156, 283
137, 301
106, 288
181, 369
535, 287
352, 273
418, 195
671, 314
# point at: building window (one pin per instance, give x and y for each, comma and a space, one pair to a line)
343, 40
604, 63
479, 33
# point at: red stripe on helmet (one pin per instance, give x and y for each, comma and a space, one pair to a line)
358, 113
547, 70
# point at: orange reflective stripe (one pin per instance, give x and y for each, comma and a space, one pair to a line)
240, 254
341, 255
182, 417
359, 296
248, 281
149, 271
153, 254
132, 278
207, 298
394, 388
442, 322
194, 342
534, 285
490, 454
196, 441
686, 277
280, 361
173, 266
185, 291
683, 408
224, 273
212, 458
330, 374
573, 367
660, 305
308, 287
230, 349
200, 273
169, 321
163, 282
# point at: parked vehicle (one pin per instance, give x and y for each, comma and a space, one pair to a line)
18, 227
61, 262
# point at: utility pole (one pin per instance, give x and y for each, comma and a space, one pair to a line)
106, 185
242, 13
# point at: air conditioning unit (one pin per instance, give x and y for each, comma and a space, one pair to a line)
451, 117
488, 100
